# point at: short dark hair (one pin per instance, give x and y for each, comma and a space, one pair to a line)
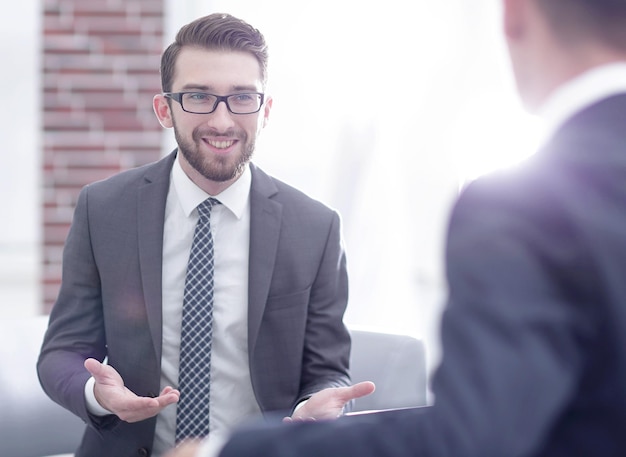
603, 20
218, 31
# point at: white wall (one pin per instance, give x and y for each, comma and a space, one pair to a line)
19, 173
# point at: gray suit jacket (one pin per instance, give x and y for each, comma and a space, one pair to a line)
534, 333
109, 303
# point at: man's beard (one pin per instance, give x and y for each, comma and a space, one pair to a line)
218, 169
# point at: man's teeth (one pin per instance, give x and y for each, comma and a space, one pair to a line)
221, 144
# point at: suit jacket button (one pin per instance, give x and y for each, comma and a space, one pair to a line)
143, 452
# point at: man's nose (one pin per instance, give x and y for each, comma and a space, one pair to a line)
221, 118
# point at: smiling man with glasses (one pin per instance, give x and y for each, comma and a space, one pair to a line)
193, 347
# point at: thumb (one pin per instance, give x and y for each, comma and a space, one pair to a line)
94, 367
103, 374
360, 389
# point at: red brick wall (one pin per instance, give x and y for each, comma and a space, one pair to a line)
100, 72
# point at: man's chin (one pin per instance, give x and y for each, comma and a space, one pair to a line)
222, 173
215, 167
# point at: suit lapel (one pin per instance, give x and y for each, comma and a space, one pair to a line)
265, 221
151, 199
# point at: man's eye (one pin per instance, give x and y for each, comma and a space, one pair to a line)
242, 98
198, 96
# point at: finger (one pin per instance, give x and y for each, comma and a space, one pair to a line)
169, 389
168, 399
302, 419
187, 449
168, 396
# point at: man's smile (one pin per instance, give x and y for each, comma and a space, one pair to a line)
220, 144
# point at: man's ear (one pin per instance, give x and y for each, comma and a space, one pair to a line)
513, 17
266, 110
162, 110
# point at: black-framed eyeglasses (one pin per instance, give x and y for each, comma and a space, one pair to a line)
205, 103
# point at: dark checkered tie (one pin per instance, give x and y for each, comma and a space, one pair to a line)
192, 417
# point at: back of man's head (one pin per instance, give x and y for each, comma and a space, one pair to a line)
552, 41
603, 21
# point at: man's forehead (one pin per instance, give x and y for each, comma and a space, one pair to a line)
206, 68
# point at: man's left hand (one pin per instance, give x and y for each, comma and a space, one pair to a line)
329, 403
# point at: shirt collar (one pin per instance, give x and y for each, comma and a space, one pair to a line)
584, 90
234, 197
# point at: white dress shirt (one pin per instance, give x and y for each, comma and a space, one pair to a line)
584, 90
232, 398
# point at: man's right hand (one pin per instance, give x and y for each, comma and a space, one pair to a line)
111, 393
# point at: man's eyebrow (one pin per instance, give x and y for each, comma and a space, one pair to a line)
205, 88
197, 87
250, 87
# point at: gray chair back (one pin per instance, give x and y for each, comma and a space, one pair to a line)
395, 363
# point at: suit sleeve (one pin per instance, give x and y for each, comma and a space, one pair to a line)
75, 330
327, 342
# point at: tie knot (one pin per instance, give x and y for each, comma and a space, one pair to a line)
204, 208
